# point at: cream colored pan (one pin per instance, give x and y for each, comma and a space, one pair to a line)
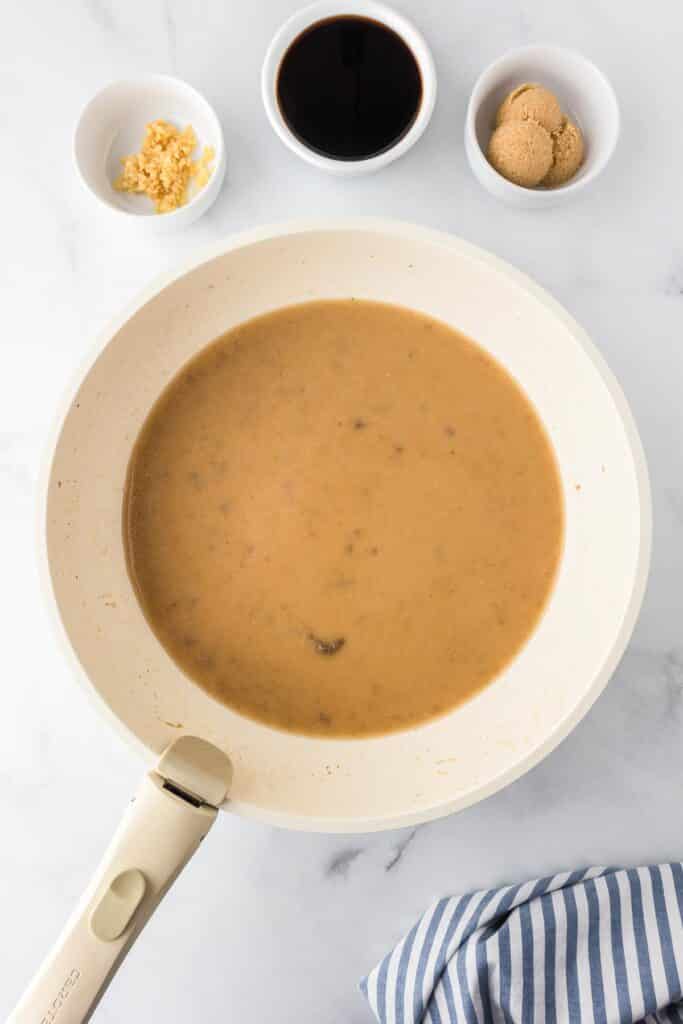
283, 779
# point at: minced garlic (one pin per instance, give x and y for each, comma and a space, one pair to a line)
164, 166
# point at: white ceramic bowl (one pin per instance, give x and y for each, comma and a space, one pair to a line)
112, 125
585, 95
385, 781
293, 28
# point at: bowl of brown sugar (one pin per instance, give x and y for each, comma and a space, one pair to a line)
151, 149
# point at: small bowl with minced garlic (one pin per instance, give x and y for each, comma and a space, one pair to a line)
541, 125
151, 149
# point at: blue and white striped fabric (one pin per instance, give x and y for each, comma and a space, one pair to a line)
601, 945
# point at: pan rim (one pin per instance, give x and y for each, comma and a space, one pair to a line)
419, 234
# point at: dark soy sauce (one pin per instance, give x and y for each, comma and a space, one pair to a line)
349, 88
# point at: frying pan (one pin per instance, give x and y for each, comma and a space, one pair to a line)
333, 785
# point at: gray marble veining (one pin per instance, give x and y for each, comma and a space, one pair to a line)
270, 925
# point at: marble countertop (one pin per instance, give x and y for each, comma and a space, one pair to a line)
270, 925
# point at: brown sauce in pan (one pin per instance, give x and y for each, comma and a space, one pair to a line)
343, 518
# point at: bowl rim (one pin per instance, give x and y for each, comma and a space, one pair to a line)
418, 233
177, 84
304, 19
478, 94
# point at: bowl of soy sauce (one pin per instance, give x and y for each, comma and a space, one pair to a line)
348, 85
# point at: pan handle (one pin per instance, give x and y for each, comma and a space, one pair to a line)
160, 831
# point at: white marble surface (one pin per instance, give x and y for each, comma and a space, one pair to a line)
268, 925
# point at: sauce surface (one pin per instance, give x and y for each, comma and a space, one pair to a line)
343, 518
349, 87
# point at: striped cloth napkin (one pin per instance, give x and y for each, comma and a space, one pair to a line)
602, 945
